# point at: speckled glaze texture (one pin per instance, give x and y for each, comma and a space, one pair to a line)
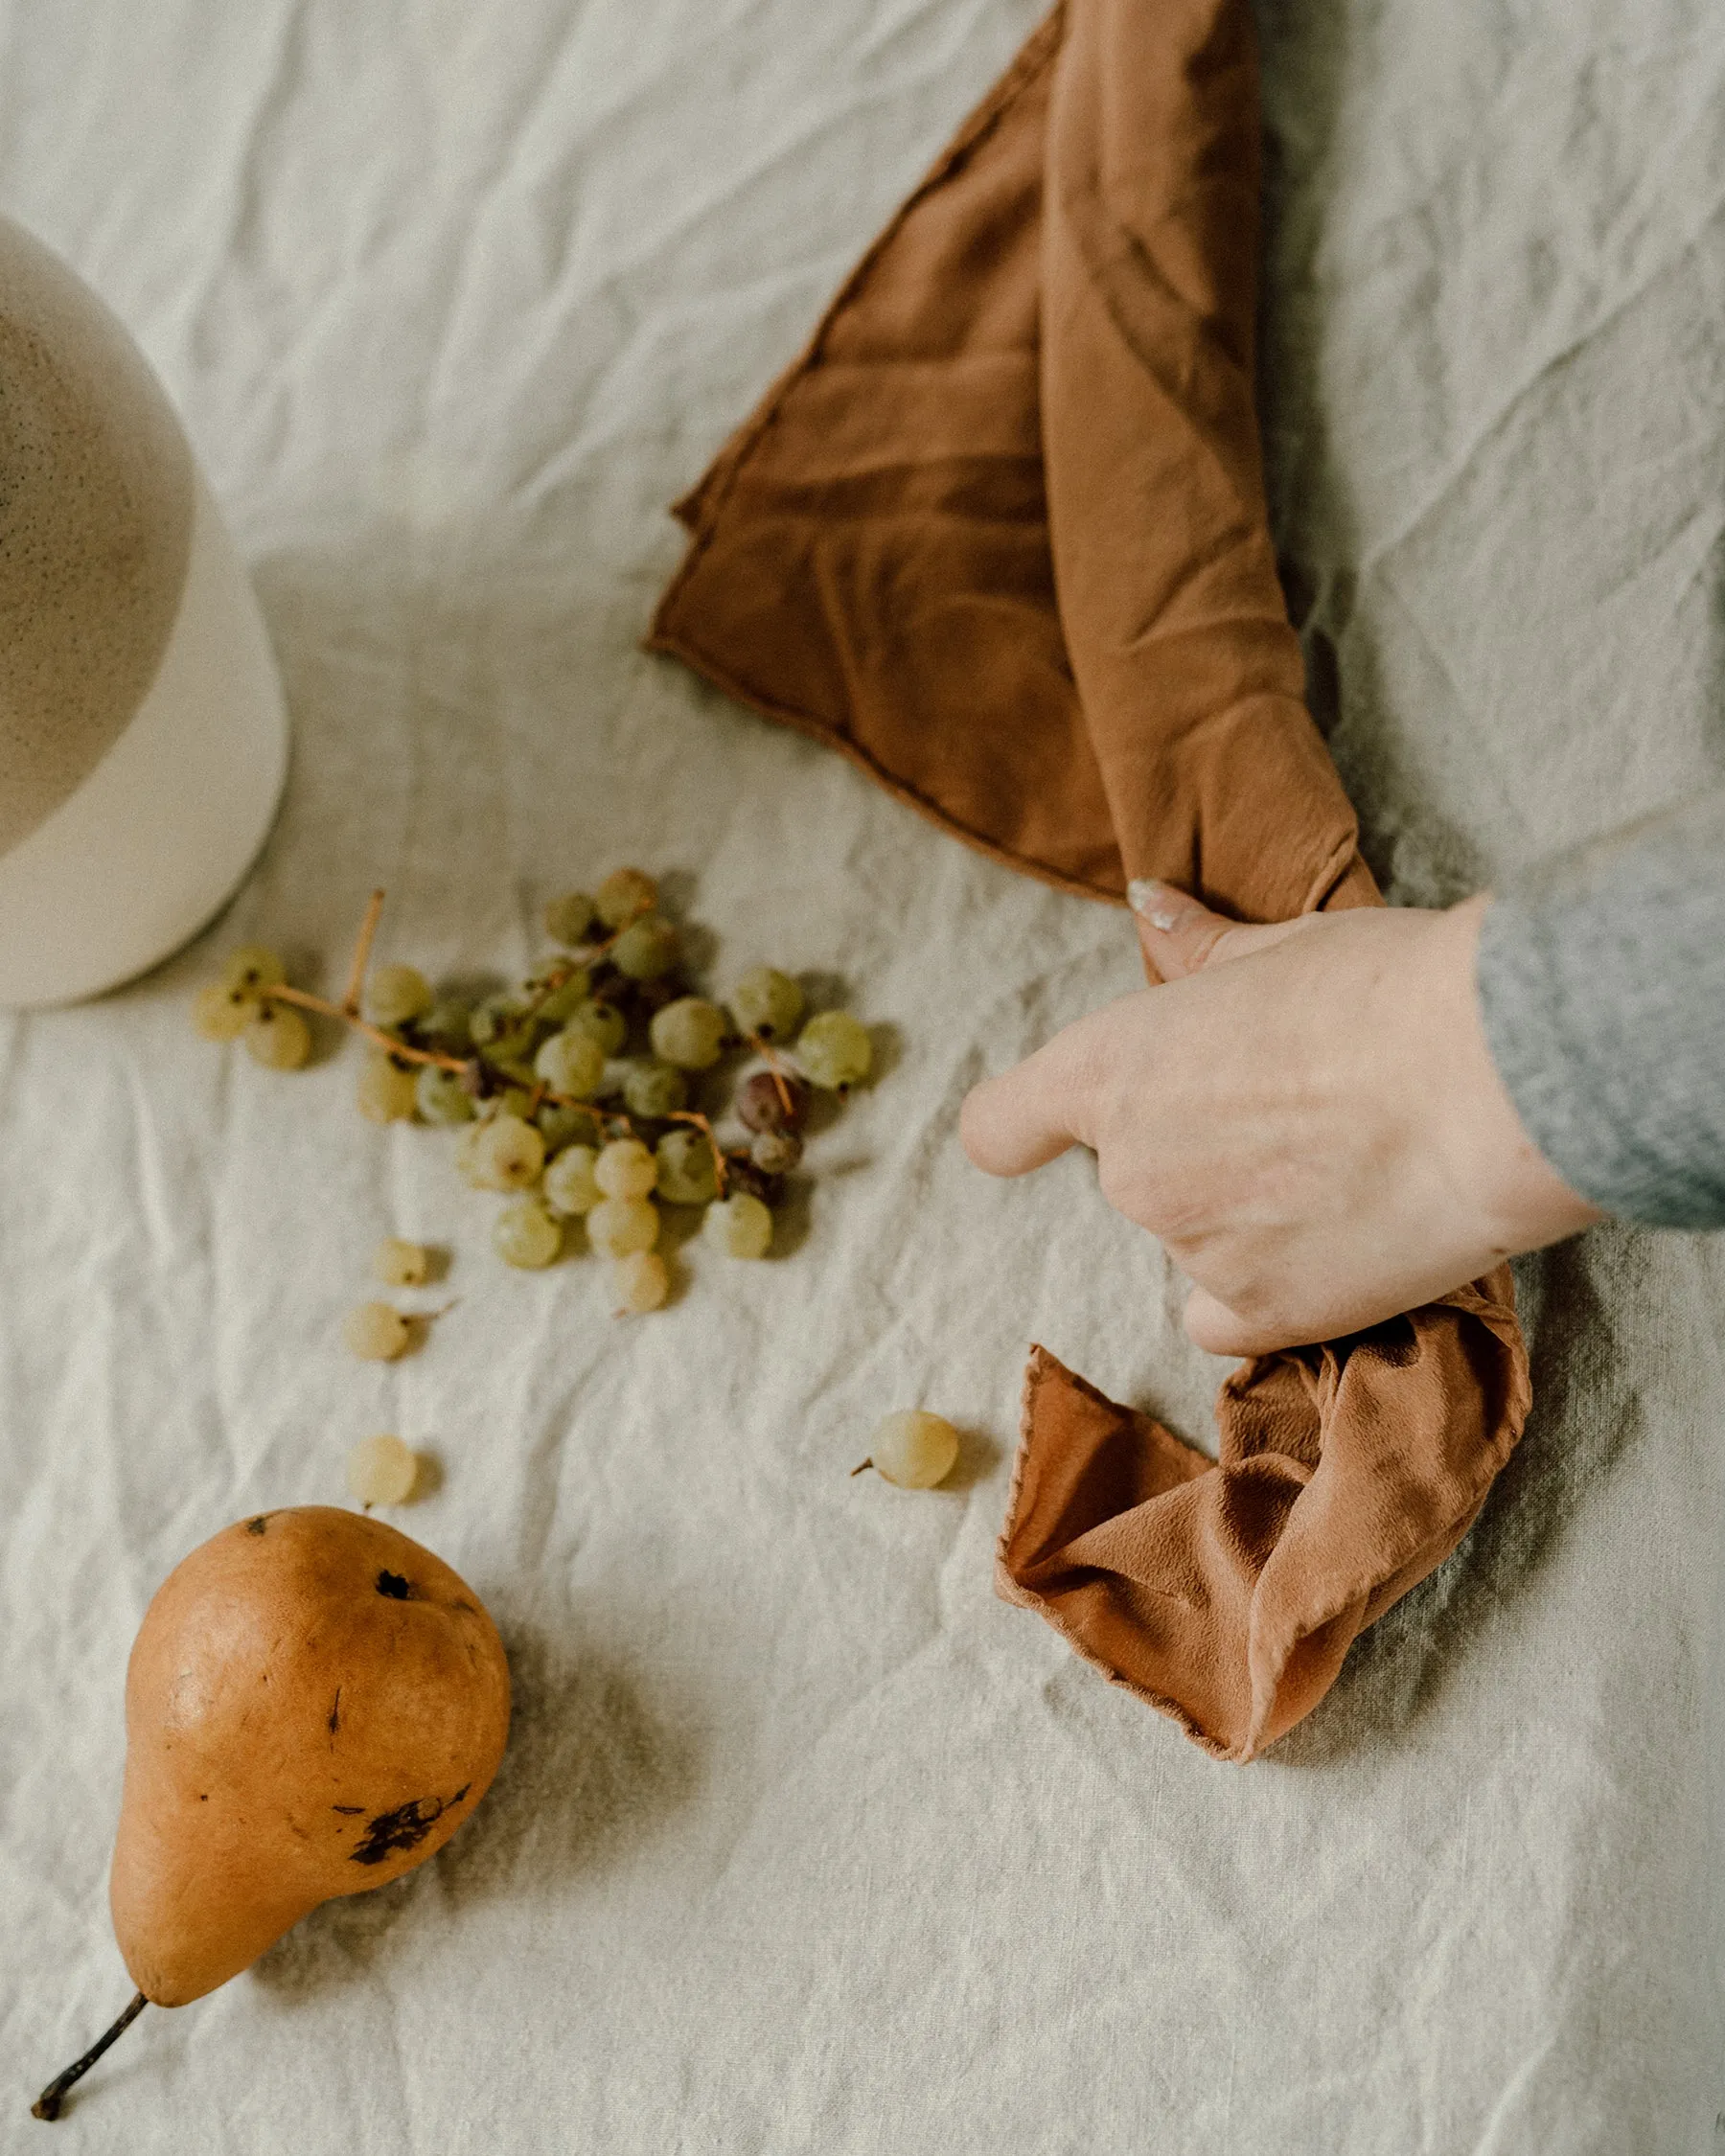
96, 506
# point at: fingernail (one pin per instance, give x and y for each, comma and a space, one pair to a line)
1159, 904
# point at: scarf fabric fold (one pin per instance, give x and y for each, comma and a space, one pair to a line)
999, 535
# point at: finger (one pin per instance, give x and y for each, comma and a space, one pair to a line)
1211, 1325
1033, 1114
1180, 934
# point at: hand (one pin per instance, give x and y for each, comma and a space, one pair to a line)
1305, 1114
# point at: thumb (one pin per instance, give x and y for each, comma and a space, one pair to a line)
1180, 934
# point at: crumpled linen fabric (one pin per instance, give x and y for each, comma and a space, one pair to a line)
804, 1840
1001, 534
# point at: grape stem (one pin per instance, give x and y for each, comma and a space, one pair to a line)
368, 929
48, 2104
856, 1471
779, 1084
701, 1123
400, 1049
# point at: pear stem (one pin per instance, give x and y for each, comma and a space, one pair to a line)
48, 2104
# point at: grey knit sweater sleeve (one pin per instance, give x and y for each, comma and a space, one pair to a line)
1601, 982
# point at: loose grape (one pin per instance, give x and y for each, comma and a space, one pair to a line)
834, 1050
570, 918
626, 1169
440, 1096
623, 894
382, 1471
524, 1234
223, 1014
278, 1037
376, 1333
688, 1033
761, 1104
767, 1003
740, 1226
508, 1154
445, 1025
619, 1227
252, 968
571, 1062
396, 995
775, 1152
654, 1091
685, 1167
646, 949
569, 1184
914, 1450
402, 1264
556, 991
386, 1093
641, 1283
604, 1024
561, 1126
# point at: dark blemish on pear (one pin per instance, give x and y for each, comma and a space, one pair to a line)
353, 1810
256, 1526
405, 1828
394, 1586
335, 1712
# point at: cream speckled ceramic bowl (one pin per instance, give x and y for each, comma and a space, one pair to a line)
143, 735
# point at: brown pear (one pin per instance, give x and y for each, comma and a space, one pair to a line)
313, 1706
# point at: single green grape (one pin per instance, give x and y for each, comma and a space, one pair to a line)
441, 1097
252, 968
571, 1062
278, 1037
834, 1051
626, 1169
386, 1093
913, 1449
686, 1175
400, 1264
525, 1234
396, 996
642, 1281
570, 918
509, 1154
500, 1026
740, 1226
688, 1033
381, 1470
618, 1226
223, 1014
605, 1022
625, 893
767, 1003
654, 1091
569, 1184
560, 1003
646, 950
376, 1333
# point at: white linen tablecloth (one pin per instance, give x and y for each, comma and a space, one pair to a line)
804, 1841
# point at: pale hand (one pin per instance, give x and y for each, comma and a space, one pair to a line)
1305, 1114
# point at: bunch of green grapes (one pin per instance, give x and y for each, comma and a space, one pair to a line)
589, 1091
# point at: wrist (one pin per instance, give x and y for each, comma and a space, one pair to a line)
1499, 1179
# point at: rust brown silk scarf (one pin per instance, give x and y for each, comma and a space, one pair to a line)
999, 535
